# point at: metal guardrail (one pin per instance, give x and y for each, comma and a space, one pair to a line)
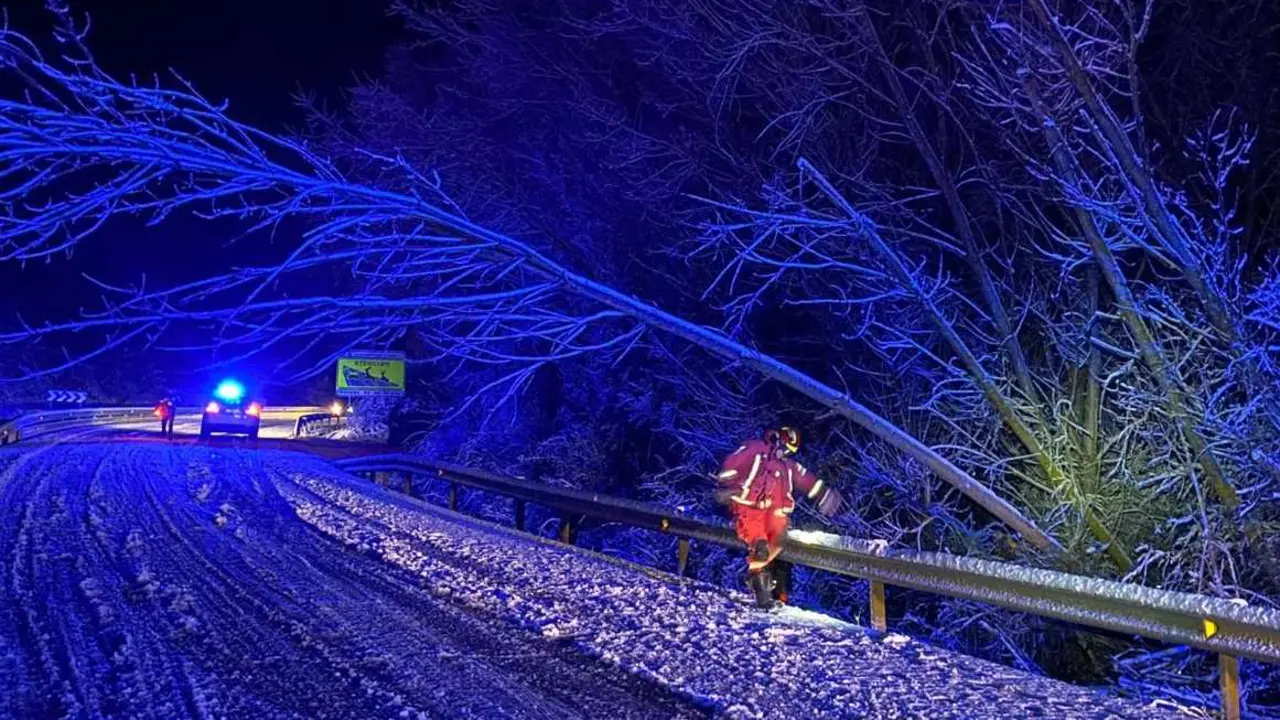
1229, 628
317, 421
45, 422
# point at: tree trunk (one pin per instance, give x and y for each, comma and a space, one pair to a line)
1155, 215
959, 215
717, 343
1091, 397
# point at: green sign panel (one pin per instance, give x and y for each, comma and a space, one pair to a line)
371, 374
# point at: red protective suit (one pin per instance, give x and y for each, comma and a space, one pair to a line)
760, 483
165, 411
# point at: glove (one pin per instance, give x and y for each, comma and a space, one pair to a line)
829, 503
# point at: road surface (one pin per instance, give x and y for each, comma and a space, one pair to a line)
275, 425
149, 580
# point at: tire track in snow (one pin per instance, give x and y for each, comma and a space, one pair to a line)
79, 579
555, 674
252, 616
267, 585
155, 683
183, 584
50, 653
406, 622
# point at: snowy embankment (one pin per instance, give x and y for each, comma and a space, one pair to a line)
700, 641
149, 581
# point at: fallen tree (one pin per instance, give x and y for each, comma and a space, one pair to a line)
489, 297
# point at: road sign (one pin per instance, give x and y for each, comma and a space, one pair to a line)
364, 374
68, 396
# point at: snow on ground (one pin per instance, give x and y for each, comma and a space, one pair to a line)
155, 581
276, 425
699, 640
814, 537
146, 581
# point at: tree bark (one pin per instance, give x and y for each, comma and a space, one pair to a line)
1092, 399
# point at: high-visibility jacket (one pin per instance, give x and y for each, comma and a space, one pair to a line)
758, 476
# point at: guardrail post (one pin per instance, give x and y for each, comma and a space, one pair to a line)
1229, 686
520, 515
566, 530
453, 496
682, 556
878, 620
406, 480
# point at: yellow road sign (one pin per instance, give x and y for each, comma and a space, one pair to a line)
370, 376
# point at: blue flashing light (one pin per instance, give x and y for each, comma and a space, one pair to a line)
229, 391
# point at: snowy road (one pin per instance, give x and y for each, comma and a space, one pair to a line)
275, 425
144, 580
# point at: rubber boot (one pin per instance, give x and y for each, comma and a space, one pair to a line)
761, 585
781, 581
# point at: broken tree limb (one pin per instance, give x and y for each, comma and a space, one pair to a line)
729, 349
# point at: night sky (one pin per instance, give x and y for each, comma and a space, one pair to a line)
254, 54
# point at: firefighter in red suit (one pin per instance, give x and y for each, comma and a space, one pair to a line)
165, 411
759, 483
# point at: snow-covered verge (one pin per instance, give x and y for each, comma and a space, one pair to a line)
152, 581
354, 434
700, 641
